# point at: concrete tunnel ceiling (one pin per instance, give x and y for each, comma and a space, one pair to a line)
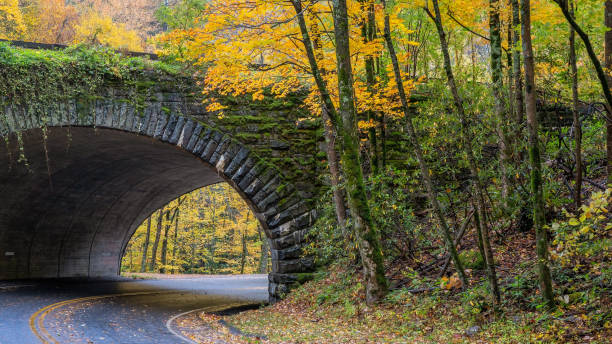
76, 221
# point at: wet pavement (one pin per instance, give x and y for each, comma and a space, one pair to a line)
116, 311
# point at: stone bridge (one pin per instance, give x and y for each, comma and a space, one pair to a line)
79, 173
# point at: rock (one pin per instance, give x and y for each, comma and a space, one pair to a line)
279, 145
472, 331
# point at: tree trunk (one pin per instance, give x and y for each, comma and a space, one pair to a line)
604, 79
466, 137
383, 139
334, 170
370, 249
175, 241
608, 61
314, 66
509, 55
498, 87
245, 252
164, 253
131, 257
265, 251
577, 125
153, 261
145, 250
534, 157
519, 106
330, 133
431, 192
366, 233
368, 32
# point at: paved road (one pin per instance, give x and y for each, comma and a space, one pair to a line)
115, 311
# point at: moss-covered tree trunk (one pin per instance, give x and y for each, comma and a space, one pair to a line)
467, 142
608, 61
334, 170
498, 95
145, 249
328, 108
330, 133
577, 127
366, 233
370, 249
519, 105
368, 33
416, 145
534, 157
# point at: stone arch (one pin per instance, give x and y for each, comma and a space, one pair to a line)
76, 220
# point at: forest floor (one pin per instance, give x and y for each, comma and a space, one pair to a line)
331, 309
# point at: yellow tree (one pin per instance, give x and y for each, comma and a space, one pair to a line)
11, 20
276, 47
255, 47
49, 21
95, 28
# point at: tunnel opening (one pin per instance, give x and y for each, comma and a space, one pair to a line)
209, 231
71, 198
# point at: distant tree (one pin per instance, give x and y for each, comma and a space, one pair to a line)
12, 25
50, 21
95, 28
160, 218
145, 249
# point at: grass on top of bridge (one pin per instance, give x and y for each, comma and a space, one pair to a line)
79, 68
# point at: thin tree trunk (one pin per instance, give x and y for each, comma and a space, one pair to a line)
479, 237
577, 125
265, 250
509, 55
314, 66
498, 87
383, 139
604, 80
244, 252
608, 61
534, 157
175, 241
466, 137
153, 261
431, 192
366, 233
131, 257
519, 105
368, 32
164, 253
328, 109
145, 250
334, 171
457, 241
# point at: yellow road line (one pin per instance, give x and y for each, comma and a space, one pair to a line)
205, 309
37, 319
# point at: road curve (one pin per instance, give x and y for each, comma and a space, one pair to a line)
116, 311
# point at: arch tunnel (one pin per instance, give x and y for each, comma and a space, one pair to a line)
73, 216
70, 203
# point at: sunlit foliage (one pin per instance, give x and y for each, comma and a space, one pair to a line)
217, 234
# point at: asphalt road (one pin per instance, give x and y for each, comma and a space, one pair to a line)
116, 311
